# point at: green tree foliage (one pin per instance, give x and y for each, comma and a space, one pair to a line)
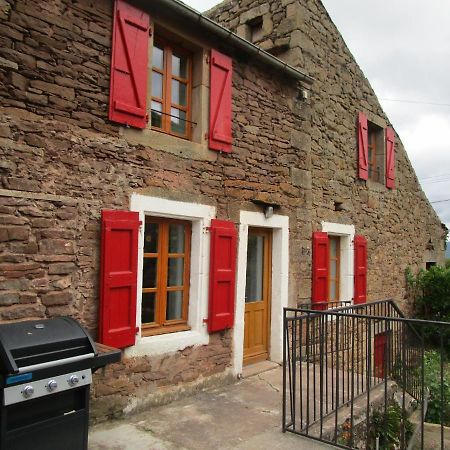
431, 292
439, 395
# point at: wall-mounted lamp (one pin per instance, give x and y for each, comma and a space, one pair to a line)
268, 208
268, 212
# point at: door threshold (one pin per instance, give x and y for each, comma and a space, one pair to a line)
257, 368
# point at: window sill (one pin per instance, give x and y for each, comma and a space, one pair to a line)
156, 331
375, 186
167, 143
167, 343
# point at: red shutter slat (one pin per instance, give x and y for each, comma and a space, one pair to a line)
220, 131
320, 263
360, 247
118, 278
222, 277
390, 158
363, 147
128, 84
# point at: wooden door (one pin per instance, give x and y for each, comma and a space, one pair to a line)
257, 295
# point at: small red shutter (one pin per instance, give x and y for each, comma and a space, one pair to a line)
128, 84
363, 147
320, 263
222, 276
220, 133
118, 283
380, 342
390, 158
360, 294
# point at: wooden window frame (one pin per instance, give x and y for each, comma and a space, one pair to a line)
374, 142
166, 99
336, 280
161, 324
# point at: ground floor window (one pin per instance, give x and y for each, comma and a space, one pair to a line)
334, 268
165, 277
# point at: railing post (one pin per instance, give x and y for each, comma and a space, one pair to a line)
285, 341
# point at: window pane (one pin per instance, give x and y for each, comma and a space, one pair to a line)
151, 238
176, 238
333, 268
175, 272
157, 85
158, 57
179, 65
333, 248
178, 121
149, 273
156, 114
174, 305
255, 265
333, 291
148, 307
179, 93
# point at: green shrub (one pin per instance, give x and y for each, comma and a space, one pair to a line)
432, 380
431, 292
387, 426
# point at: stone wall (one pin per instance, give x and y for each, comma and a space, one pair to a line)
62, 162
400, 225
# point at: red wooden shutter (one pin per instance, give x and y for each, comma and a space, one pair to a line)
360, 294
380, 343
390, 158
118, 283
128, 84
220, 133
363, 147
320, 263
222, 276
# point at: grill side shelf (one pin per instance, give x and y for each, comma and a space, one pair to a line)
105, 355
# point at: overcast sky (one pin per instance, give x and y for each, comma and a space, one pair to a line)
403, 47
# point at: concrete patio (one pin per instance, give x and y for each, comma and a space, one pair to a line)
245, 415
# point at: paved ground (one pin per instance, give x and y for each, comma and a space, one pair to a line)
246, 416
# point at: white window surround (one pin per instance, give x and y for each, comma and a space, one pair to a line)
280, 278
200, 216
347, 235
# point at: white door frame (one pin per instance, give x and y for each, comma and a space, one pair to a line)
280, 280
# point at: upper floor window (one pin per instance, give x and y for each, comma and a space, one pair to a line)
376, 152
171, 89
182, 89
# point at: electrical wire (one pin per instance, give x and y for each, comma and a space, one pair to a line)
413, 101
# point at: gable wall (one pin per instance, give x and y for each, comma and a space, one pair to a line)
398, 224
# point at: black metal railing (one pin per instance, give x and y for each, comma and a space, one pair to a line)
354, 376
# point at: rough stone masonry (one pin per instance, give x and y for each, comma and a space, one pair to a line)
62, 162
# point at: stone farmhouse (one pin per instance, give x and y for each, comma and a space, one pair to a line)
173, 180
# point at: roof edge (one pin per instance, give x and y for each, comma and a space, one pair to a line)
228, 36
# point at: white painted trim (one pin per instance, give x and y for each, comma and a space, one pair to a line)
280, 281
347, 234
200, 216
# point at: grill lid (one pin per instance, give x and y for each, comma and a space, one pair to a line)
26, 344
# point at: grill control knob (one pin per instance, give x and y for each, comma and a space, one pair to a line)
28, 391
73, 380
52, 385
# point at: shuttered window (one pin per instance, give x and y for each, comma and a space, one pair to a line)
220, 129
360, 287
320, 271
165, 276
222, 275
118, 278
129, 59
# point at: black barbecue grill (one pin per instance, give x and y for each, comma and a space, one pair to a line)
45, 375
